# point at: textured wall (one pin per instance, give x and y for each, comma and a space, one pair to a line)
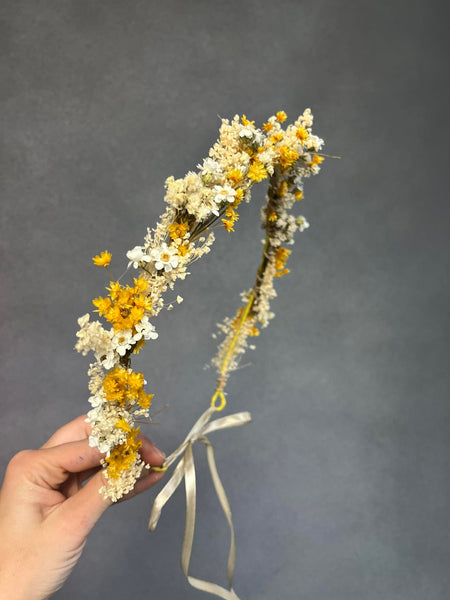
340, 487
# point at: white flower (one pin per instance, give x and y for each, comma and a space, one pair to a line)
110, 360
301, 223
179, 299
246, 132
224, 193
165, 257
210, 167
122, 341
93, 337
258, 138
144, 329
208, 204
298, 182
97, 400
84, 320
103, 446
137, 255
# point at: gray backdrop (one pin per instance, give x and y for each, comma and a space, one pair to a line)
339, 488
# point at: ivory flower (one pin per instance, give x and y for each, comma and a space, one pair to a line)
165, 257
137, 255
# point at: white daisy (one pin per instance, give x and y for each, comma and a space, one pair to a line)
224, 193
165, 257
122, 341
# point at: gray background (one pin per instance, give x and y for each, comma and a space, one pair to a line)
340, 487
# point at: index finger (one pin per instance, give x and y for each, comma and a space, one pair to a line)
73, 431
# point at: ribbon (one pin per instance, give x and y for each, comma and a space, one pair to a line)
186, 470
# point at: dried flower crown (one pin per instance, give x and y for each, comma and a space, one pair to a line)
242, 156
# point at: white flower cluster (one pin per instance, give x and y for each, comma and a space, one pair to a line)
109, 345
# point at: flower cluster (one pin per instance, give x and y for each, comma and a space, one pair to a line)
295, 157
209, 197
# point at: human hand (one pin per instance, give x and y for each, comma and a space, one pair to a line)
46, 513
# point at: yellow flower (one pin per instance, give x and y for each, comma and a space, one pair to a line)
103, 259
178, 230
122, 424
102, 304
288, 156
282, 272
276, 137
302, 134
234, 175
138, 346
272, 217
144, 399
231, 213
238, 198
182, 250
140, 284
123, 456
228, 225
299, 195
246, 122
316, 160
283, 188
281, 256
281, 116
257, 171
267, 126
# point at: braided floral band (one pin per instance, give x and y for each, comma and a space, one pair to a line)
202, 200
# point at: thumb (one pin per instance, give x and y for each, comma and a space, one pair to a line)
81, 511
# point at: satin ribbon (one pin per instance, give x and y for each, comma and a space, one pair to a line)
186, 469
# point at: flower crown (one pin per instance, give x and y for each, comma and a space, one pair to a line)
209, 197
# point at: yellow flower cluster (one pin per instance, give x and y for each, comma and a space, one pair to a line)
125, 387
288, 157
124, 455
125, 306
281, 256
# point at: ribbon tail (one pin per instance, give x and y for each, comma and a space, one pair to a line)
165, 494
189, 482
221, 495
188, 539
212, 588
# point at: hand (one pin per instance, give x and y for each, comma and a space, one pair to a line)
46, 513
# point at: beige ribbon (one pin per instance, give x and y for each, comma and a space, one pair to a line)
186, 469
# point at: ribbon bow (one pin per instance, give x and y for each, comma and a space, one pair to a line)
186, 469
